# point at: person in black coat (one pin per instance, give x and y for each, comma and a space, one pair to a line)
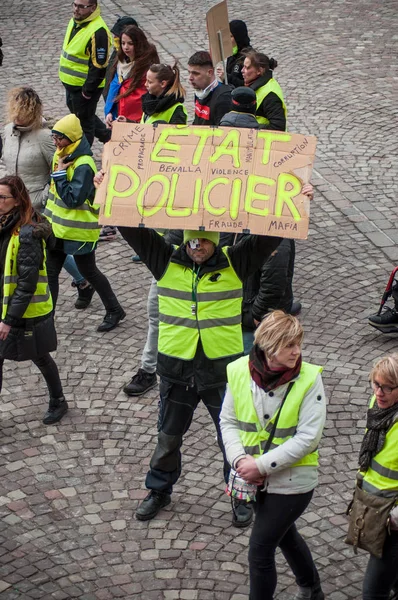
27, 326
240, 44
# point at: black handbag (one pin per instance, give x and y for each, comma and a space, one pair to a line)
32, 340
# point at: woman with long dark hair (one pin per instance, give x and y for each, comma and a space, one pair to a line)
27, 326
135, 55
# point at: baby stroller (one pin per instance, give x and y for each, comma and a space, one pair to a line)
386, 320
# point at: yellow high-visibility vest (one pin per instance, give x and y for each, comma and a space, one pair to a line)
381, 478
41, 302
74, 60
206, 308
271, 86
164, 115
253, 436
79, 224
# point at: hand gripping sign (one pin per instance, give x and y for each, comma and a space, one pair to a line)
213, 179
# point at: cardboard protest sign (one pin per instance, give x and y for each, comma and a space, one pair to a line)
214, 179
217, 21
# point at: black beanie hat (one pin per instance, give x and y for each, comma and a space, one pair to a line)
121, 23
244, 100
239, 31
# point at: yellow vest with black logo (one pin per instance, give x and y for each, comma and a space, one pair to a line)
164, 115
271, 86
381, 478
211, 314
253, 436
79, 224
74, 61
41, 302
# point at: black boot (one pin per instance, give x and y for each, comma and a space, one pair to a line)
57, 407
85, 293
112, 318
387, 321
151, 505
310, 593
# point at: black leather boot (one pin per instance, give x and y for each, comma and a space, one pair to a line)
112, 318
57, 407
85, 293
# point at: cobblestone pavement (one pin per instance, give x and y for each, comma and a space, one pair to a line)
68, 492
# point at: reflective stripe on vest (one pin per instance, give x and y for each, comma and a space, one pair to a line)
79, 224
271, 86
381, 478
164, 115
74, 60
253, 436
41, 302
216, 320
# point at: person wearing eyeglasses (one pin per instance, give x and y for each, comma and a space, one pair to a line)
82, 66
27, 326
378, 472
73, 213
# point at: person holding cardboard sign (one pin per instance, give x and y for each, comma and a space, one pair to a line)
240, 44
200, 302
257, 73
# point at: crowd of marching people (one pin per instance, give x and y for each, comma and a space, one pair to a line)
222, 318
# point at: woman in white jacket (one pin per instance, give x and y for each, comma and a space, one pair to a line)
271, 422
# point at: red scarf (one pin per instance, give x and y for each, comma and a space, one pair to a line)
263, 376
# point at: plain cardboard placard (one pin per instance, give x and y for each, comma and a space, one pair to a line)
217, 20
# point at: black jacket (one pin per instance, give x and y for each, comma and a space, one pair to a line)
246, 257
234, 67
239, 119
155, 104
270, 287
30, 258
211, 109
271, 107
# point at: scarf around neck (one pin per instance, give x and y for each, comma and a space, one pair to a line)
154, 104
378, 422
202, 94
264, 377
123, 70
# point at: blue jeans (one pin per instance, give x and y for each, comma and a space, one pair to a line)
381, 573
71, 267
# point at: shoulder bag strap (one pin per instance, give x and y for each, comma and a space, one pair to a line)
272, 433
